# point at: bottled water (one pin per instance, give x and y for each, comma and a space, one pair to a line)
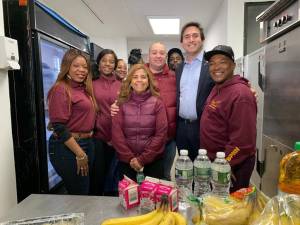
140, 177
184, 178
220, 170
202, 167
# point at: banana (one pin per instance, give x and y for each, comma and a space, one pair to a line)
179, 219
155, 220
133, 220
168, 219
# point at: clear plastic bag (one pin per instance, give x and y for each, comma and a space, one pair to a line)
280, 210
64, 219
259, 205
234, 210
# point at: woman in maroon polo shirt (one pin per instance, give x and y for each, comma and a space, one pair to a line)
106, 89
72, 113
140, 128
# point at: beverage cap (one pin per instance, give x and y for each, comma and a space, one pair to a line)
202, 151
184, 152
220, 154
297, 146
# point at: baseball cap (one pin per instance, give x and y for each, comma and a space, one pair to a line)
220, 49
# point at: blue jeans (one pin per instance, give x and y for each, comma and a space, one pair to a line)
169, 156
64, 163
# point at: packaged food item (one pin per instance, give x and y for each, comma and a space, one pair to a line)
167, 188
289, 178
147, 193
63, 219
128, 193
280, 210
233, 210
259, 205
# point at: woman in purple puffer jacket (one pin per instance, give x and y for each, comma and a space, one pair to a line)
139, 130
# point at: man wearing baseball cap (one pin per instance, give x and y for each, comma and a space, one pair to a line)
228, 122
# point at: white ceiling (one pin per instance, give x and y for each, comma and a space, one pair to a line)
128, 18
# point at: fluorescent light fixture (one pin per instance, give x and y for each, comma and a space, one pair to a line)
164, 25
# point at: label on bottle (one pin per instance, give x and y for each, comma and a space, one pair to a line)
202, 172
184, 174
220, 177
140, 177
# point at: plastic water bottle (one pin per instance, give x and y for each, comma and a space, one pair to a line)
140, 177
184, 178
220, 170
202, 167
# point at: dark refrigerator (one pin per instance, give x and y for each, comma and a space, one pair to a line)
43, 38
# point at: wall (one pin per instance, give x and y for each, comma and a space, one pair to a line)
8, 193
233, 23
217, 32
119, 45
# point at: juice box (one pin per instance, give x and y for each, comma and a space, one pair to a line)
128, 193
147, 193
167, 188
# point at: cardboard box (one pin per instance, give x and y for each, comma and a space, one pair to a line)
128, 193
167, 188
147, 193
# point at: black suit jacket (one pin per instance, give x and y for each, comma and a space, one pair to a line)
204, 87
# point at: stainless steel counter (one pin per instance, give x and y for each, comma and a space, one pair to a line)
95, 208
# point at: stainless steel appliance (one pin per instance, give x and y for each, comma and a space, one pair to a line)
280, 32
254, 71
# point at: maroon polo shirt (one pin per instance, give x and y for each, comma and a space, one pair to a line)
106, 90
78, 114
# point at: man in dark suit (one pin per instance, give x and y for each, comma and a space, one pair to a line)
193, 87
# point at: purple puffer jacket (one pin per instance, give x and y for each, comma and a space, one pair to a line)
140, 129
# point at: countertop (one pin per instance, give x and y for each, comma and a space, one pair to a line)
95, 208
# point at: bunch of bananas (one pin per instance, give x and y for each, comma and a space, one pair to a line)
160, 216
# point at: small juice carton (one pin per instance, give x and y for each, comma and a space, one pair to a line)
147, 193
128, 193
167, 188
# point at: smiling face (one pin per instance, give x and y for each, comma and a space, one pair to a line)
191, 41
78, 70
121, 69
139, 81
157, 56
175, 60
107, 65
221, 68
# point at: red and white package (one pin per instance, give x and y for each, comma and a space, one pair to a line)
128, 193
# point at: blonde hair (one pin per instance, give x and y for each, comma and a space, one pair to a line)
63, 78
126, 88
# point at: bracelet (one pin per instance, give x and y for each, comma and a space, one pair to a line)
81, 158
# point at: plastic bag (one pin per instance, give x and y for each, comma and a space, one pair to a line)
260, 202
281, 210
234, 210
64, 219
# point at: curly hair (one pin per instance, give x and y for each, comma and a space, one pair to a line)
126, 88
62, 77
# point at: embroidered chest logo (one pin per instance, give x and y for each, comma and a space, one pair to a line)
214, 104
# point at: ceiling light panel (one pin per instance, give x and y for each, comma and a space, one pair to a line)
164, 25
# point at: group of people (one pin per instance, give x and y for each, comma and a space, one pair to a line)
133, 122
